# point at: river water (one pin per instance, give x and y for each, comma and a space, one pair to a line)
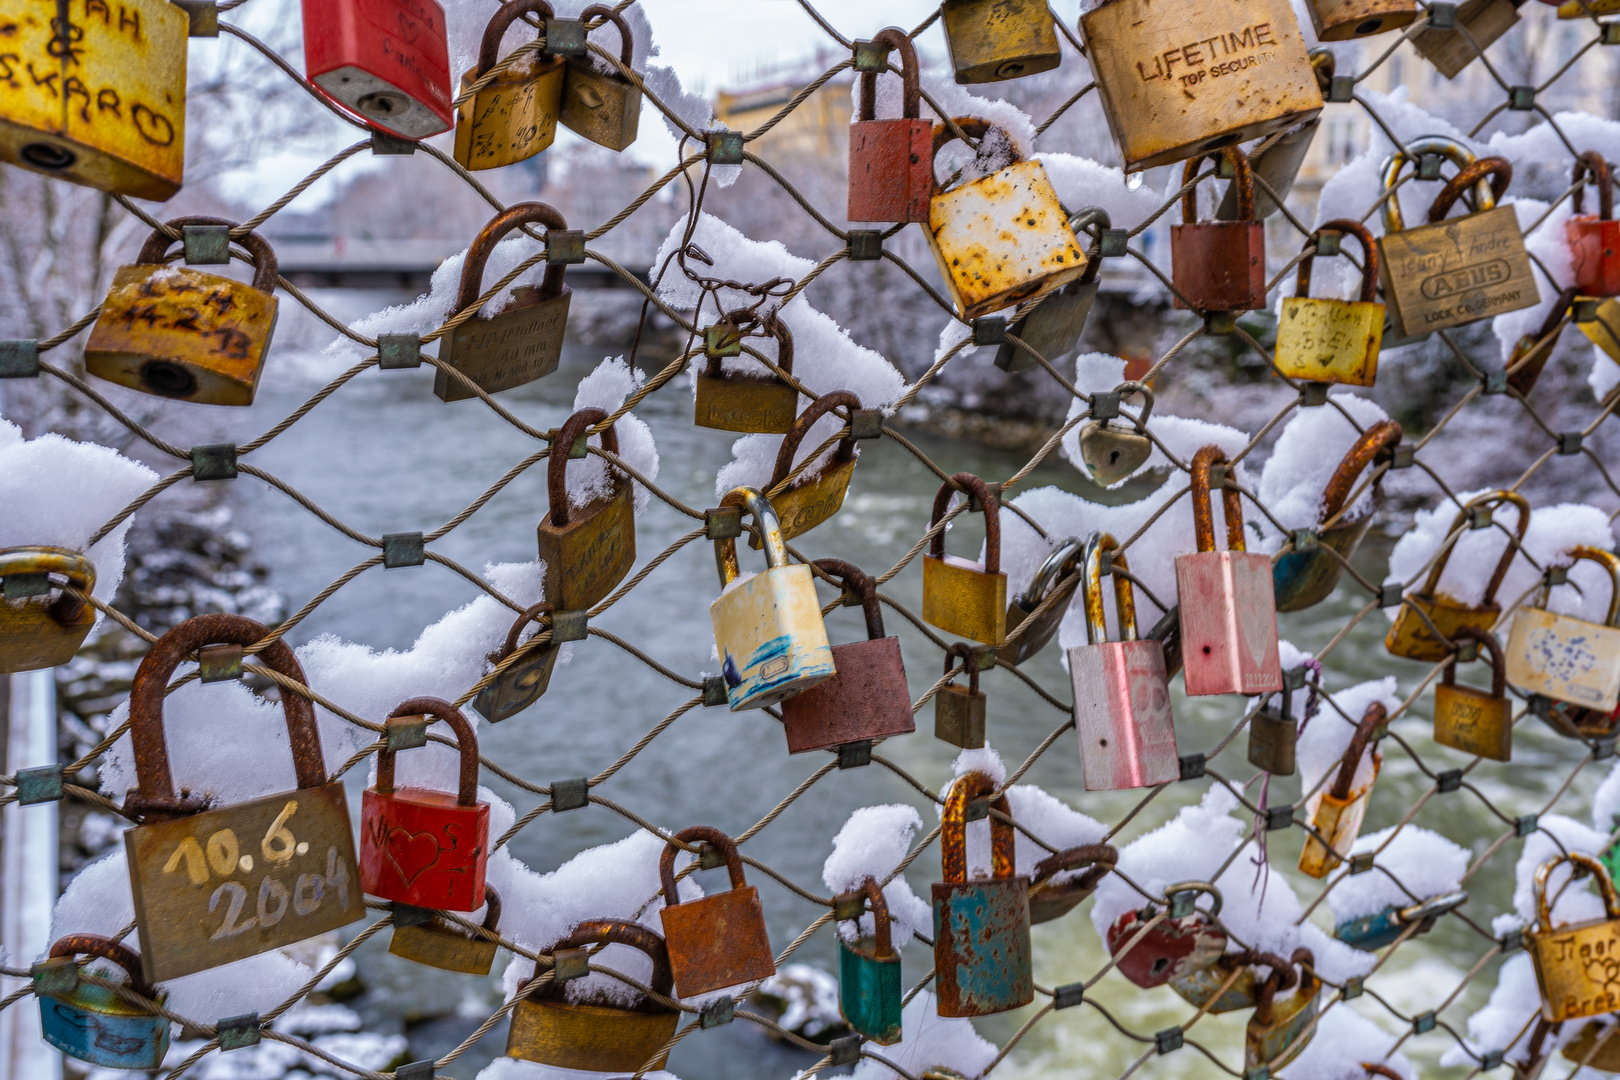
384, 455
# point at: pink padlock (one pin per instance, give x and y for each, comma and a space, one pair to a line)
1228, 606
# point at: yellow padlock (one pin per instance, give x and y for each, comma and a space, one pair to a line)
1332, 341
992, 40
961, 596
515, 116
1336, 811
35, 630
1576, 964
817, 493
1565, 658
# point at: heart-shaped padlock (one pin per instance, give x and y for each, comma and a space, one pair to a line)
1185, 941
1111, 454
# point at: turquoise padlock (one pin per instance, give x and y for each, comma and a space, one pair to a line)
1372, 932
92, 1023
869, 990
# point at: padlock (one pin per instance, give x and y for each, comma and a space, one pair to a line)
1429, 619
182, 333
1110, 453
1278, 1031
1303, 579
1051, 326
869, 987
768, 628
1332, 341
515, 116
1245, 76
1176, 947
599, 103
1586, 1048
993, 40
215, 885
36, 631
891, 161
598, 1036
442, 944
589, 549
982, 956
97, 1025
960, 596
1532, 351
421, 846
1121, 692
1603, 329
1346, 20
522, 684
747, 402
1453, 272
1449, 50
1565, 658
1219, 265
1372, 932
1276, 160
868, 697
1050, 898
1274, 735
519, 344
1594, 242
1336, 811
817, 493
1470, 720
134, 66
1229, 984
387, 61
1574, 962
1055, 578
1003, 238
1228, 612
720, 940
959, 714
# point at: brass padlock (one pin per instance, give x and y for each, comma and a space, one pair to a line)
1051, 326
745, 401
599, 103
1569, 659
961, 596
1110, 453
215, 885
1003, 238
1332, 341
1274, 734
521, 684
1276, 160
519, 344
588, 549
1453, 272
1278, 1031
1345, 20
1336, 811
1065, 878
1166, 98
817, 493
133, 140
181, 333
36, 631
1429, 619
1575, 963
1055, 578
1469, 720
1219, 265
1532, 351
959, 714
1450, 50
1595, 1046
514, 117
1230, 983
719, 941
993, 40
439, 943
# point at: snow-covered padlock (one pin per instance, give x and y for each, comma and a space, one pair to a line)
869, 988
1372, 932
891, 173
1337, 810
818, 492
36, 631
1565, 658
522, 684
1332, 341
1050, 898
587, 550
720, 940
1057, 575
1279, 1030
1594, 242
439, 943
1470, 720
1111, 453
93, 1023
1185, 941
514, 116
1575, 963
961, 596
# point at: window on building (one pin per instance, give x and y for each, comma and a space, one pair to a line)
1397, 71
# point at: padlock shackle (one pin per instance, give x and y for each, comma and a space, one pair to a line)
770, 529
1231, 503
1242, 178
489, 48
526, 213
1064, 559
853, 577
1085, 216
626, 40
80, 572
619, 932
1611, 901
707, 834
154, 798
789, 447
466, 743
1372, 1068
773, 325
1124, 596
492, 908
970, 663
265, 267
1344, 780
1295, 972
1101, 858
1490, 498
1498, 169
910, 96
1324, 65
1382, 436
974, 128
107, 949
557, 463
1216, 901
882, 932
1591, 164
953, 830
530, 614
1611, 563
1450, 149
966, 481
1498, 662
1132, 387
1369, 257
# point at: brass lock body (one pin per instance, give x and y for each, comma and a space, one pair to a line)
1574, 962
1279, 1030
514, 117
36, 631
817, 493
587, 550
961, 596
1347, 20
1332, 341
1336, 810
1470, 720
439, 943
523, 683
600, 104
1486, 20
959, 712
746, 401
993, 40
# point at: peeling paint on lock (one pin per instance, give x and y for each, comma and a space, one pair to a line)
1566, 658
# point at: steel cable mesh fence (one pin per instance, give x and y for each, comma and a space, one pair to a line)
698, 151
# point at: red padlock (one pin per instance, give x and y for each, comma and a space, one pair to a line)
387, 61
1219, 265
419, 846
1174, 947
891, 162
1595, 241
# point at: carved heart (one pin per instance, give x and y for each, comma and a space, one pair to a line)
411, 853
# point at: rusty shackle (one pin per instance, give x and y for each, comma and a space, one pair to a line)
1382, 436
1242, 179
530, 614
1124, 596
710, 835
1488, 642
107, 949
1344, 781
953, 831
882, 933
966, 481
620, 932
974, 128
265, 268
472, 271
896, 39
557, 463
853, 577
1231, 504
80, 572
1591, 164
1369, 257
773, 325
970, 663
489, 48
1290, 975
1498, 169
814, 411
626, 40
1101, 858
466, 742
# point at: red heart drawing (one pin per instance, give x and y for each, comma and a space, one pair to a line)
418, 851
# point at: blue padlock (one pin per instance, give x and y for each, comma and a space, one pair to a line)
1372, 932
93, 1023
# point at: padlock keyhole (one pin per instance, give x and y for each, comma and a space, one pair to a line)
1113, 457
48, 156
380, 104
170, 380
1370, 26
1206, 650
1160, 965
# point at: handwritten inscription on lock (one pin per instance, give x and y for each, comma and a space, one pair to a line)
1458, 271
519, 345
1580, 970
421, 846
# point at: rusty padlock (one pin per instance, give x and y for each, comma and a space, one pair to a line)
982, 956
1110, 453
1429, 619
1065, 878
1470, 720
1575, 963
1228, 611
869, 988
1594, 242
519, 344
746, 401
817, 493
514, 117
96, 1024
1056, 579
440, 943
1568, 659
959, 713
1337, 810
961, 596
1346, 20
35, 630
1052, 325
1532, 351
1449, 50
589, 549
1219, 265
1332, 341
386, 61
215, 885
182, 333
867, 698
891, 166
1174, 948
1595, 1046
421, 846
598, 102
1274, 734
1230, 983
1279, 1030
720, 940
522, 684
993, 40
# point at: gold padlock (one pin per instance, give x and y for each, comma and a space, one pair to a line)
1470, 720
439, 943
598, 103
1277, 159
817, 493
1570, 659
1230, 983
589, 549
1332, 341
1337, 810
1595, 1046
1344, 20
1429, 619
744, 401
36, 631
960, 712
96, 98
1604, 329
961, 596
992, 40
1278, 1031
1576, 969
1532, 351
515, 116
181, 333
1449, 50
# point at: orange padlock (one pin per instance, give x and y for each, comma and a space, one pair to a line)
720, 940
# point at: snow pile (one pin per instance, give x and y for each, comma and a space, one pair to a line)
1015, 141
1323, 743
1043, 815
1579, 902
1307, 453
1343, 1040
1189, 847
605, 389
1426, 863
871, 844
929, 1040
808, 998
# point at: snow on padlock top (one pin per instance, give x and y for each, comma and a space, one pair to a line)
872, 843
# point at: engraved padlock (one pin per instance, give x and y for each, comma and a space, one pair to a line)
1337, 810
439, 943
1279, 1030
1594, 242
1065, 878
961, 596
1055, 579
1332, 341
720, 940
37, 631
1568, 659
1052, 325
96, 1024
587, 549
1274, 734
744, 400
1111, 453
514, 117
386, 61
1372, 932
1575, 968
869, 987
1471, 720
1219, 265
1176, 946
598, 102
891, 168
1532, 351
818, 492
993, 40
1450, 50
527, 677
959, 712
